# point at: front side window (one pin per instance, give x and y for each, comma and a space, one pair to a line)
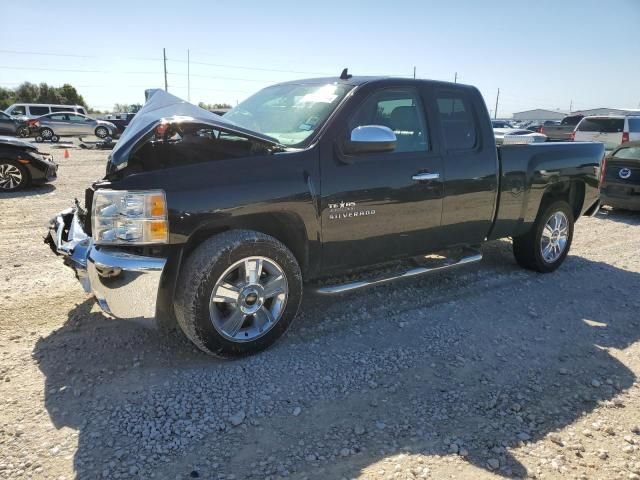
77, 118
39, 110
289, 113
601, 125
82, 111
457, 121
401, 111
19, 110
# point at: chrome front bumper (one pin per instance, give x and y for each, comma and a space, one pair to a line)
125, 285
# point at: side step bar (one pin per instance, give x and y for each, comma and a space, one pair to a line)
470, 257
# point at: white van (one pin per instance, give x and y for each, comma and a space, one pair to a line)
25, 111
612, 130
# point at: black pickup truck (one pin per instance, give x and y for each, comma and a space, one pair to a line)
216, 223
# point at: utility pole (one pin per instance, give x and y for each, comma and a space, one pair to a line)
164, 56
455, 78
414, 71
495, 112
571, 106
188, 77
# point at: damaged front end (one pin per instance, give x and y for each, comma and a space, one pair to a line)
124, 284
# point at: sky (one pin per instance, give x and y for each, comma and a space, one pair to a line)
549, 54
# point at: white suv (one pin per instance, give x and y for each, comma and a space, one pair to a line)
612, 131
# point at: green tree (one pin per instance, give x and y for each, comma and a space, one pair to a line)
27, 92
7, 98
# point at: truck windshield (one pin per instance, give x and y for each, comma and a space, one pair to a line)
290, 113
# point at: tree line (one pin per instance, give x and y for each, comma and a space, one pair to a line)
28, 92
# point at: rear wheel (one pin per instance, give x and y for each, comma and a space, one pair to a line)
547, 244
238, 292
13, 176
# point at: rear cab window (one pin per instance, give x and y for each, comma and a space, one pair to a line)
629, 153
601, 125
455, 112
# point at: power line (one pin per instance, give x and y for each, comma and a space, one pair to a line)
73, 55
8, 67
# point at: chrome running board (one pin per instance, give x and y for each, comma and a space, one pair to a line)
471, 257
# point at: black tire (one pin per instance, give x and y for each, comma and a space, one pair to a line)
206, 265
22, 132
39, 139
101, 132
55, 138
528, 248
46, 133
9, 182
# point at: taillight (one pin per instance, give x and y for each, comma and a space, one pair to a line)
603, 169
572, 137
32, 123
625, 137
541, 130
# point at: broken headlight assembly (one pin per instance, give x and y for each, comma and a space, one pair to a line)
121, 217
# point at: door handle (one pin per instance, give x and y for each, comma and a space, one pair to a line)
426, 176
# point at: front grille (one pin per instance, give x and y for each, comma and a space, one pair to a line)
88, 202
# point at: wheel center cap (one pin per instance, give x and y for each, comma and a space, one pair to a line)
251, 299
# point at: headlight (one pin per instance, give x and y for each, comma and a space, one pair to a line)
129, 218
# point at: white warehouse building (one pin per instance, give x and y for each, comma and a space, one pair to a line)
539, 115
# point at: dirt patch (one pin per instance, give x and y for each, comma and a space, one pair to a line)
486, 372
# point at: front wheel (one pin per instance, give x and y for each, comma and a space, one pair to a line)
101, 132
238, 292
547, 244
13, 176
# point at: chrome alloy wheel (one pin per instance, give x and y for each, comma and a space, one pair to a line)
10, 176
248, 299
46, 133
555, 235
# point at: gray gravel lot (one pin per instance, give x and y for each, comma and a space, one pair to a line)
485, 372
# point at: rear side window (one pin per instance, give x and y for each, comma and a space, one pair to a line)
631, 153
601, 125
39, 110
634, 124
456, 118
61, 109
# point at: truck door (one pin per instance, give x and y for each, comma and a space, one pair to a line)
380, 206
470, 166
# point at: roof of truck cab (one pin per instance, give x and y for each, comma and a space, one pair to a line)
363, 79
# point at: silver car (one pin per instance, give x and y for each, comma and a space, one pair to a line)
71, 124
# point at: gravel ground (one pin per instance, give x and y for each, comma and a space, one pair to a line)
484, 372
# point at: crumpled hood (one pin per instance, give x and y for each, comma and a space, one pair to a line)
162, 105
17, 143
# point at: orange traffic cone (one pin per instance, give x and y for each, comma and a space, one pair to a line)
66, 153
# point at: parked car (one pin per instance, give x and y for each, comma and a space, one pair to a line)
500, 124
120, 120
25, 111
56, 125
12, 126
620, 186
534, 127
562, 131
21, 165
516, 134
612, 130
221, 220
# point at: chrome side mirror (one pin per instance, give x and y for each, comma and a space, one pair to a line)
371, 139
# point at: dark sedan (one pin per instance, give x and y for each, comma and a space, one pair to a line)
620, 187
21, 165
12, 126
